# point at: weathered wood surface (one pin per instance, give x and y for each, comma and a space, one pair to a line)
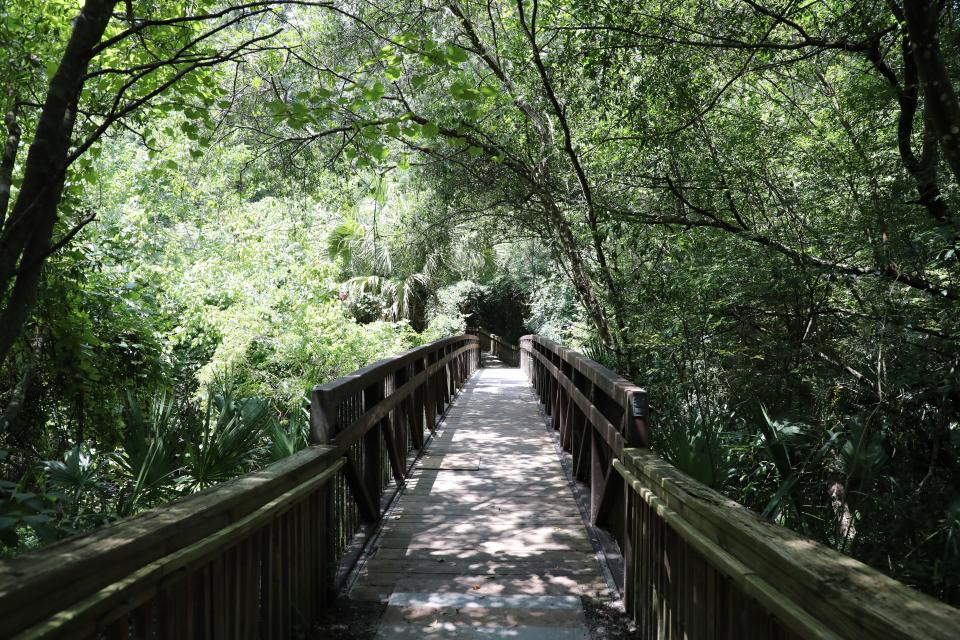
497, 347
52, 584
696, 564
255, 557
486, 539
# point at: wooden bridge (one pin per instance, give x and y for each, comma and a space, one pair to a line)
476, 502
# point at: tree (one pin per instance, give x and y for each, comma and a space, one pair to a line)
112, 68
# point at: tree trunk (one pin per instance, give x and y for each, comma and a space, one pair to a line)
578, 273
25, 238
923, 25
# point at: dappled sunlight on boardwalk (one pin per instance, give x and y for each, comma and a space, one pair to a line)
486, 539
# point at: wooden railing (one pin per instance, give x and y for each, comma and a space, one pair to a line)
257, 556
496, 346
696, 564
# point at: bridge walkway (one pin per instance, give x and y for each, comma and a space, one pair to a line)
486, 539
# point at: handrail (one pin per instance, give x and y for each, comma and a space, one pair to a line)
256, 556
496, 346
406, 392
697, 564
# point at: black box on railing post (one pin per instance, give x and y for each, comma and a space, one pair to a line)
323, 419
635, 432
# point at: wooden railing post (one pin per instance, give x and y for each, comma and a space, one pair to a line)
430, 394
372, 447
419, 404
323, 428
439, 382
448, 382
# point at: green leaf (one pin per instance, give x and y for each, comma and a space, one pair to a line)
456, 54
430, 130
375, 92
300, 110
378, 151
393, 73
36, 520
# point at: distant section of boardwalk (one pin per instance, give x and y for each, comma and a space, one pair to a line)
486, 539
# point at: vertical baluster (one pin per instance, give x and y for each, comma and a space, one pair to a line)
429, 388
217, 619
373, 447
419, 404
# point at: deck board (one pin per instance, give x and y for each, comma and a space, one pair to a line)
486, 538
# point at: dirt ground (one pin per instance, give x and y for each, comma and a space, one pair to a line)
607, 620
349, 620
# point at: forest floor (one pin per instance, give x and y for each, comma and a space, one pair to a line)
349, 620
607, 620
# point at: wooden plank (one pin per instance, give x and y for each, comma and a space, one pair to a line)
144, 583
791, 613
802, 570
362, 378
613, 384
500, 585
72, 570
459, 567
450, 462
487, 510
361, 424
595, 418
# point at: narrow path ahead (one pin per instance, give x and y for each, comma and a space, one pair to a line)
486, 540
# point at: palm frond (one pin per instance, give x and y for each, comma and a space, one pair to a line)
344, 239
230, 439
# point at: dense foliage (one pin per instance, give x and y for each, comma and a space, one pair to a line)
748, 206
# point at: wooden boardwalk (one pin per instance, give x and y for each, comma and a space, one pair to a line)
486, 539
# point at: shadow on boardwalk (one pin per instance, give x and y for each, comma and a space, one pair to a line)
486, 539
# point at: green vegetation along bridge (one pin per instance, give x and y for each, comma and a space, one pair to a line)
433, 486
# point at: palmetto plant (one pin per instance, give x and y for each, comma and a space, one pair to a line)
793, 447
168, 450
150, 463
286, 440
402, 293
77, 473
692, 438
76, 477
228, 442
